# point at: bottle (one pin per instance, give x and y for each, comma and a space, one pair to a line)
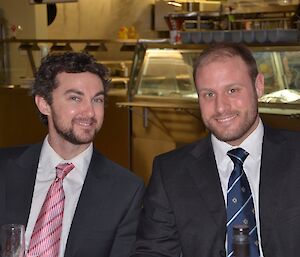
240, 241
124, 69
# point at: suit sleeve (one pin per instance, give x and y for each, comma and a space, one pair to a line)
126, 232
157, 233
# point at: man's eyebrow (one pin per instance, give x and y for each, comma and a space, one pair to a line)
205, 89
234, 84
100, 93
69, 91
78, 92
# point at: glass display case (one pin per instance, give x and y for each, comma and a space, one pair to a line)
164, 110
281, 71
165, 71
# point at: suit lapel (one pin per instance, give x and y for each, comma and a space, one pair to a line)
205, 174
19, 185
275, 158
94, 194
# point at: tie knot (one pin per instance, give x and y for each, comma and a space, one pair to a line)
63, 169
238, 155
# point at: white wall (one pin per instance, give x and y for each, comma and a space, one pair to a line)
101, 19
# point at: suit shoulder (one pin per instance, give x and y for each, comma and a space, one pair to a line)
12, 152
295, 135
187, 151
293, 139
280, 135
118, 171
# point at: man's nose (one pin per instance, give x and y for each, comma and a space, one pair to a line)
88, 109
221, 104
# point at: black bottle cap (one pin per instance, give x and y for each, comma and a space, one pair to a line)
240, 230
241, 234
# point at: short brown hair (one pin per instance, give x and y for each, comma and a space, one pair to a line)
221, 50
69, 62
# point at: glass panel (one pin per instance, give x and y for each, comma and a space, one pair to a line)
268, 64
282, 76
167, 73
291, 68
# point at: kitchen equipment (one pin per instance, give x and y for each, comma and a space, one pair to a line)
190, 6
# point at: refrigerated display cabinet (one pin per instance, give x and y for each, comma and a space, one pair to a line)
163, 102
163, 73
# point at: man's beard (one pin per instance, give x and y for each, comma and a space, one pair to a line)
70, 136
240, 132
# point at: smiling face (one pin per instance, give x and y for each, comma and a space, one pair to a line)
228, 99
77, 110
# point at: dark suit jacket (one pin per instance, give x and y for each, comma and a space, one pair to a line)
106, 216
184, 209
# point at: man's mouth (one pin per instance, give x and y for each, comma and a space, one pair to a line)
85, 122
226, 119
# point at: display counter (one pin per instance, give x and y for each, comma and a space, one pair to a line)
163, 101
162, 71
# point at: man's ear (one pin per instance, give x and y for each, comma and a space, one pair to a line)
260, 85
42, 105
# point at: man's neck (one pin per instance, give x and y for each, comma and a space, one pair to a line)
65, 149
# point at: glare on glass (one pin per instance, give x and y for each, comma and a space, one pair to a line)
12, 240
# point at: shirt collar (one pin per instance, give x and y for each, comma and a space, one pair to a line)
51, 159
252, 144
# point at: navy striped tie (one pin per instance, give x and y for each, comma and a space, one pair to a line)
240, 207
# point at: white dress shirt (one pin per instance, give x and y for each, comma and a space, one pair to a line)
72, 185
253, 145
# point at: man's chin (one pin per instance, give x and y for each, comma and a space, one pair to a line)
79, 139
85, 140
226, 135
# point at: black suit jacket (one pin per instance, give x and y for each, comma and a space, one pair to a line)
184, 209
107, 212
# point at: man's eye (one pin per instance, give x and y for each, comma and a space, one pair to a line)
75, 98
232, 90
209, 94
99, 100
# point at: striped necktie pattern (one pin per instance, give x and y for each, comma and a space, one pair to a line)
46, 234
240, 207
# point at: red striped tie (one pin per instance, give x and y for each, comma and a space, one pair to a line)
45, 237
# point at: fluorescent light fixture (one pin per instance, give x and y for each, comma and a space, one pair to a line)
127, 47
61, 47
174, 3
95, 47
29, 46
50, 1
